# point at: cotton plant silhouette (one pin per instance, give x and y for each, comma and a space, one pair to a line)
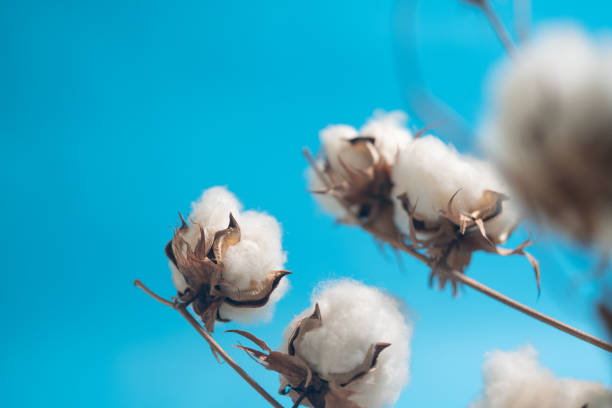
548, 137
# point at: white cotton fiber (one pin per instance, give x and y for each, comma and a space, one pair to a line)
213, 208
335, 141
247, 263
177, 278
389, 131
355, 316
517, 380
430, 172
550, 129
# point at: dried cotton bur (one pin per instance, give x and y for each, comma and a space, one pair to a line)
517, 380
451, 205
349, 350
352, 178
550, 131
414, 193
227, 264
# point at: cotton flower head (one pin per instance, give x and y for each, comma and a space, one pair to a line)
227, 264
352, 176
550, 131
355, 343
517, 380
451, 205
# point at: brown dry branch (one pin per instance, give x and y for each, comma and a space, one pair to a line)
214, 346
498, 26
437, 253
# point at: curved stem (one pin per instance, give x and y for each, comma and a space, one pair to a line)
498, 26
182, 309
474, 284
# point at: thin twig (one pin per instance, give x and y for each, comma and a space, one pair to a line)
182, 309
498, 26
474, 284
522, 19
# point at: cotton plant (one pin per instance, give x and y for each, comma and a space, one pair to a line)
549, 140
550, 130
516, 379
226, 263
414, 191
350, 349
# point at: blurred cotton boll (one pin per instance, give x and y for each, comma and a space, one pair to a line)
354, 165
550, 131
517, 380
430, 173
353, 317
227, 263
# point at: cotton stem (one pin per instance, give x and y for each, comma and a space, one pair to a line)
216, 348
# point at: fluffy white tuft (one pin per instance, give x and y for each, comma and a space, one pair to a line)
213, 208
389, 131
355, 316
247, 263
430, 172
517, 380
550, 128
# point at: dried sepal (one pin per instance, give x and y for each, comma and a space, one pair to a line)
451, 242
201, 265
362, 185
300, 379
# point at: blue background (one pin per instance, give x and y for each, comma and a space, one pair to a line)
114, 115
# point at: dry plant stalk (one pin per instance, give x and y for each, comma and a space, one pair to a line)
216, 349
298, 376
449, 251
498, 26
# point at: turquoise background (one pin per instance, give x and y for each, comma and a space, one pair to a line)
114, 115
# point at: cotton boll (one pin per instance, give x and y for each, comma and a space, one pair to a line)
389, 131
550, 130
430, 173
354, 317
213, 208
235, 269
517, 380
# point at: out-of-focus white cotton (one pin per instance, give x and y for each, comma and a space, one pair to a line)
517, 380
